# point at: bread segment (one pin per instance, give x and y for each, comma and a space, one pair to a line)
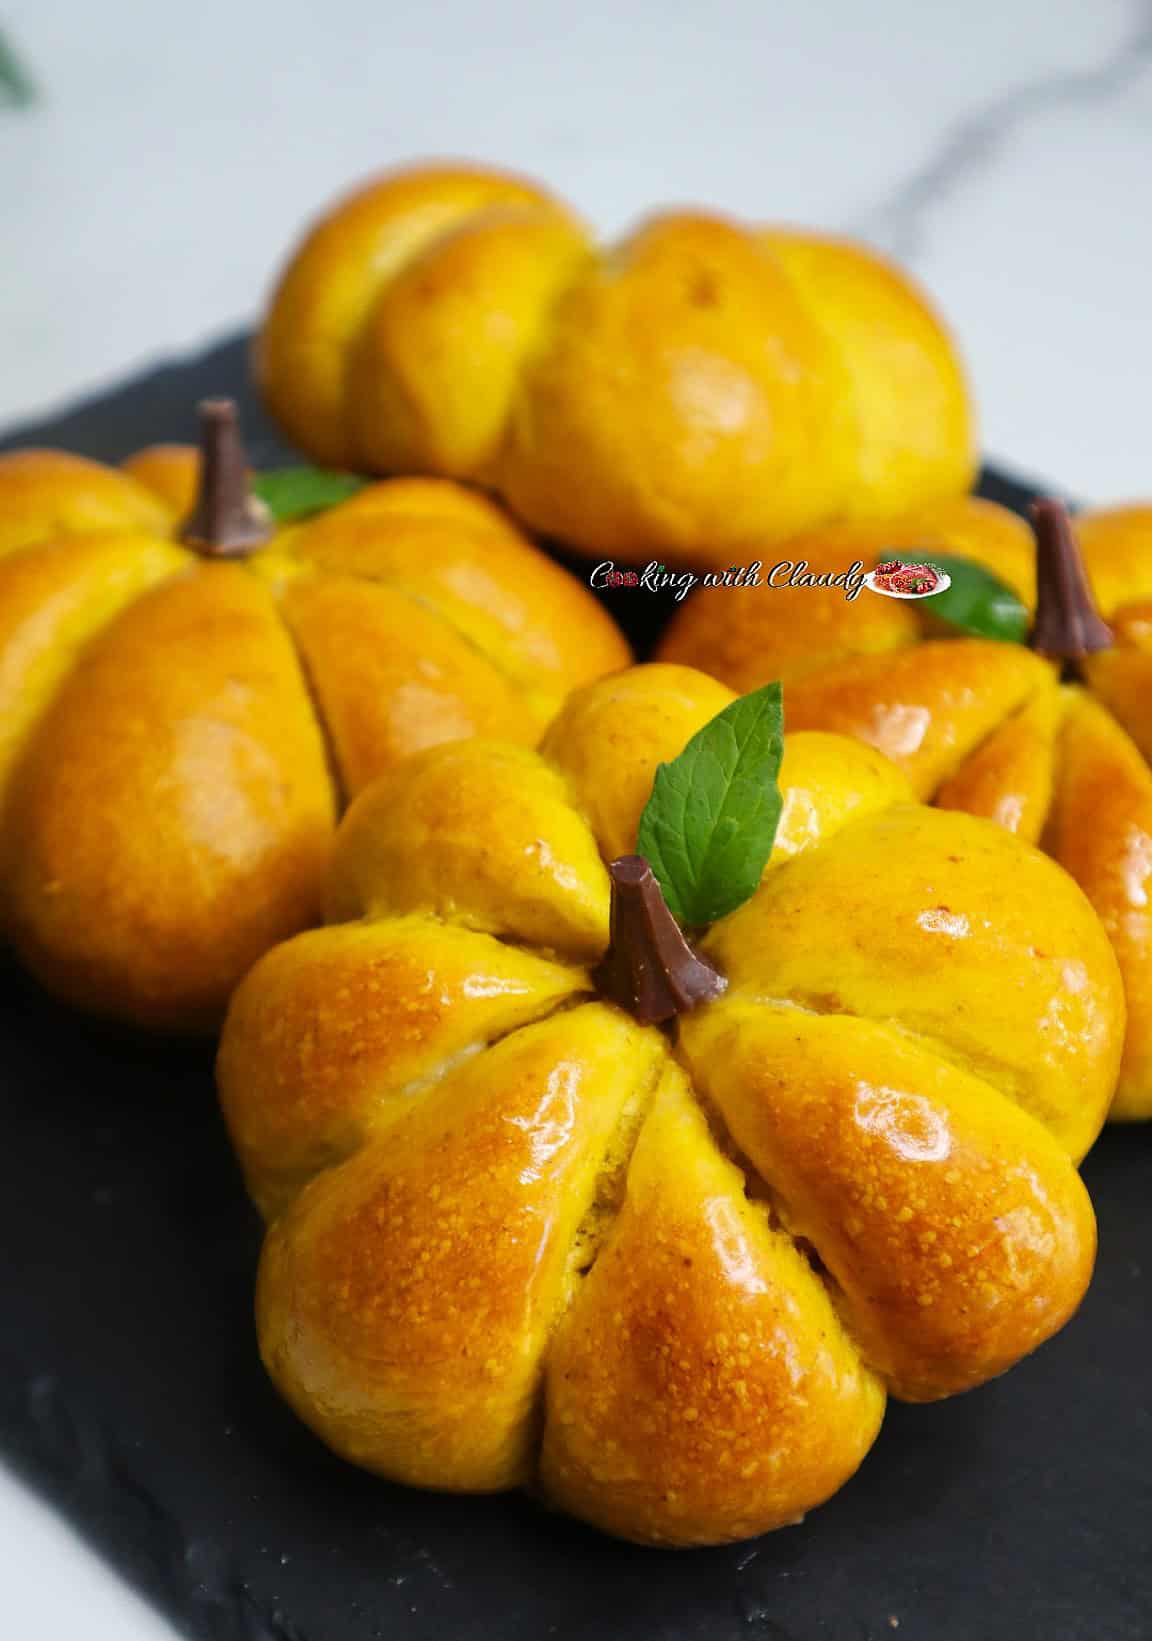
326, 294
926, 706
407, 1297
955, 1230
528, 871
459, 555
1100, 829
47, 494
951, 929
392, 678
1010, 776
53, 601
330, 1034
701, 1387
171, 815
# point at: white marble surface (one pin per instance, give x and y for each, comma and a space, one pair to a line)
1002, 147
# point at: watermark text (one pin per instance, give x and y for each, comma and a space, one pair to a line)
658, 578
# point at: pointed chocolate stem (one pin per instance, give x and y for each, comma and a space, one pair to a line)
1068, 625
227, 520
650, 969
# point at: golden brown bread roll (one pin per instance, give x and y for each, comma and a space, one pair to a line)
180, 726
979, 725
692, 393
517, 1238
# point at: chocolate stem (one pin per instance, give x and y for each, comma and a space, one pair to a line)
227, 520
650, 969
1068, 626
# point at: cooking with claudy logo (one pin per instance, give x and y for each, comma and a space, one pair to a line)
892, 577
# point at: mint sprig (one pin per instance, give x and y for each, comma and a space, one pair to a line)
978, 602
708, 828
292, 493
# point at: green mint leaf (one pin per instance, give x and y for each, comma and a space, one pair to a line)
296, 492
709, 826
977, 603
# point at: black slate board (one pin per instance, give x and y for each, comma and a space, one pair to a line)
131, 1394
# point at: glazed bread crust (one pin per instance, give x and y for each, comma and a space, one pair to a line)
694, 392
517, 1239
976, 725
177, 735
